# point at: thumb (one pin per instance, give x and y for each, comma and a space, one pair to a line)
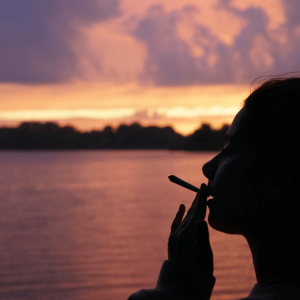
201, 202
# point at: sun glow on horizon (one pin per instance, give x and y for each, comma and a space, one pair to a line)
88, 106
117, 113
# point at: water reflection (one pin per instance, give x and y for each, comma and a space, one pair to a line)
95, 224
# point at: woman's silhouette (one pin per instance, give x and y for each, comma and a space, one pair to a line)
254, 184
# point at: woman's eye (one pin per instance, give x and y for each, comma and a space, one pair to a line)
223, 149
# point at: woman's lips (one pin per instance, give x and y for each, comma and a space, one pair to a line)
209, 194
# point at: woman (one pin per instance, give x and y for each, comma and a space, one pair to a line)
254, 184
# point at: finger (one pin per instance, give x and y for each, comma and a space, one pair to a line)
198, 207
178, 218
189, 213
197, 210
200, 210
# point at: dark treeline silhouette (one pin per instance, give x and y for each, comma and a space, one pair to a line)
50, 136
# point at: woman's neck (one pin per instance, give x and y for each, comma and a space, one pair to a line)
274, 257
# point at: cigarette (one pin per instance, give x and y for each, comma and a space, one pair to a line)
183, 183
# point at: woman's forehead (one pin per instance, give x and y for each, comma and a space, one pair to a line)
238, 130
237, 123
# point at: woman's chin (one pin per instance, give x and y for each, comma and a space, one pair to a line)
221, 225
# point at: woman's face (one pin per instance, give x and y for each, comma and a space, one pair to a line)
235, 201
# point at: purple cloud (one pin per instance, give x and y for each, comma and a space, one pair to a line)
255, 51
36, 37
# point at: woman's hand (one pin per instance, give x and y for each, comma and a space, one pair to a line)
189, 239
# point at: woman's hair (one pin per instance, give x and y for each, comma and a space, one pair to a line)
272, 110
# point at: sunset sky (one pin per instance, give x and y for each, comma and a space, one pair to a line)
92, 63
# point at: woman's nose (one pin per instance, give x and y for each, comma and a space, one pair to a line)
208, 170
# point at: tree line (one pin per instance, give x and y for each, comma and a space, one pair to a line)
50, 136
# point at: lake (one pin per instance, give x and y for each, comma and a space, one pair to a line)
95, 224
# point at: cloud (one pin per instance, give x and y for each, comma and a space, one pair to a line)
167, 44
257, 49
38, 37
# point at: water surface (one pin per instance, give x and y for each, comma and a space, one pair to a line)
95, 224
